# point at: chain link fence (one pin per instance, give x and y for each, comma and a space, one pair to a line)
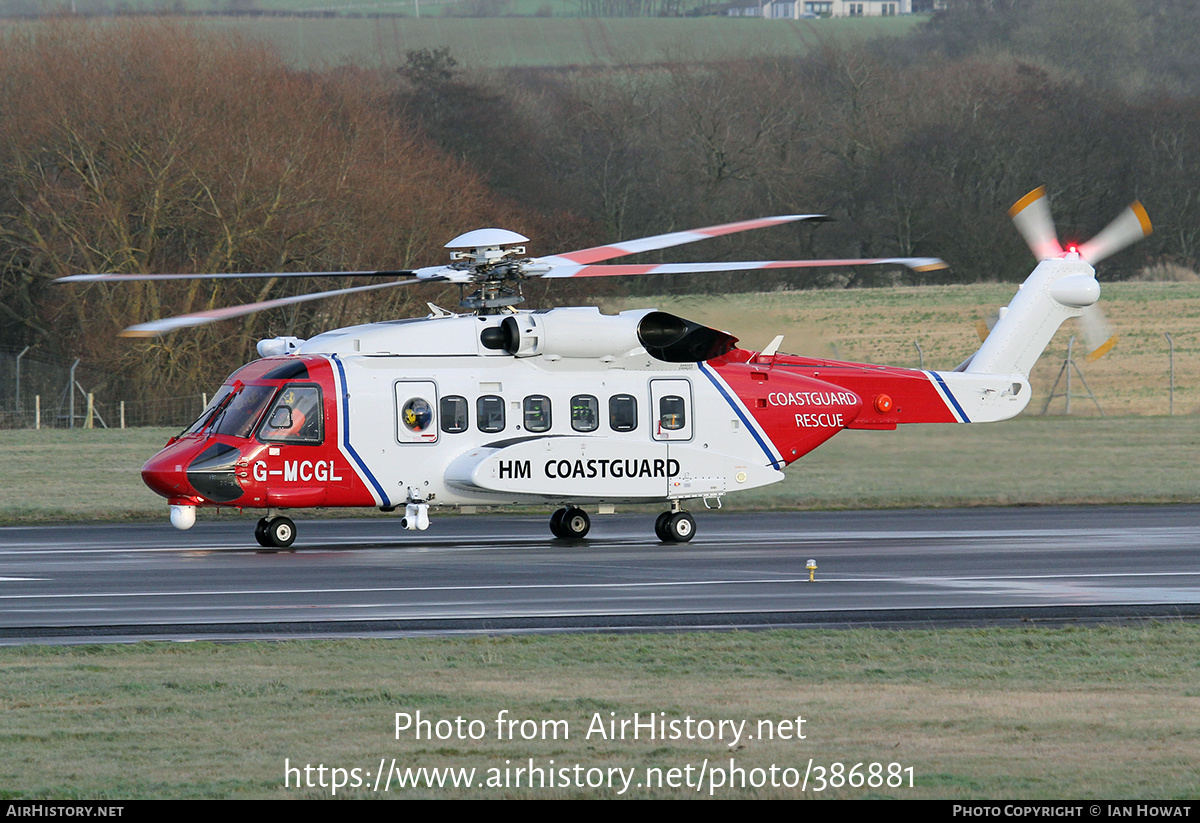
43, 391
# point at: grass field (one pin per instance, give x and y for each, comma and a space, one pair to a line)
486, 43
1016, 714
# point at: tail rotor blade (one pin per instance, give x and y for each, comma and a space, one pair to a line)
1097, 332
984, 327
1130, 226
1031, 215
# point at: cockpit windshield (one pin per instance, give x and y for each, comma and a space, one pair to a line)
233, 411
242, 412
217, 402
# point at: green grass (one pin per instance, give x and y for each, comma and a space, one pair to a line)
1014, 713
487, 43
1038, 460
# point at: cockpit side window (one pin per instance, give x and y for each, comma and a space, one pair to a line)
295, 417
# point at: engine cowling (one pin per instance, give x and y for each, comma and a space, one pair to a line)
275, 346
589, 334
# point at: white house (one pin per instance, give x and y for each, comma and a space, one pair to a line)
801, 9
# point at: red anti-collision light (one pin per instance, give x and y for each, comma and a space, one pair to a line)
883, 403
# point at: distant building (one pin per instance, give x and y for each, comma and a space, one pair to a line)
746, 9
802, 9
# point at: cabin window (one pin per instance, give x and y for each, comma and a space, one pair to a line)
295, 417
585, 413
622, 412
454, 414
417, 415
490, 413
671, 413
537, 413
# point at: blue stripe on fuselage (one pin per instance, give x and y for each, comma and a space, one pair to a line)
949, 396
775, 464
345, 400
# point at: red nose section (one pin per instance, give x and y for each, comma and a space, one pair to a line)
166, 472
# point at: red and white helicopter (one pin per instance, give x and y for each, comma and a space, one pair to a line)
569, 406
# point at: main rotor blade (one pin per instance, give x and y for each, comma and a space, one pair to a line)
200, 318
101, 278
916, 263
662, 241
1031, 215
1130, 226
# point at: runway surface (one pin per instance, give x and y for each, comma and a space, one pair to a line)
506, 573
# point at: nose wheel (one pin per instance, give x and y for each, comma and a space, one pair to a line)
675, 527
570, 523
275, 532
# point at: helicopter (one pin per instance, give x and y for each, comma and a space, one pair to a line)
568, 406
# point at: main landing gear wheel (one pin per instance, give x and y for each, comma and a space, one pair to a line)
276, 533
660, 527
675, 527
570, 523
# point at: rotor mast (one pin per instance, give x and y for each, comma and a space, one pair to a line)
496, 263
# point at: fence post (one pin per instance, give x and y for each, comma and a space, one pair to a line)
91, 410
17, 399
71, 391
122, 414
37, 411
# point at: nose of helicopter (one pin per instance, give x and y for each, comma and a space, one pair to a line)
206, 469
166, 472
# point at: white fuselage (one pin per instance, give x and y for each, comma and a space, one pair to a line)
607, 422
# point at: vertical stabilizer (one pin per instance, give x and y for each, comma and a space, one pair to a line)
1057, 289
1062, 286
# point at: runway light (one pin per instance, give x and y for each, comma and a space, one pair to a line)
812, 569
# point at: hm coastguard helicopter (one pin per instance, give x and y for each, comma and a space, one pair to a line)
568, 406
